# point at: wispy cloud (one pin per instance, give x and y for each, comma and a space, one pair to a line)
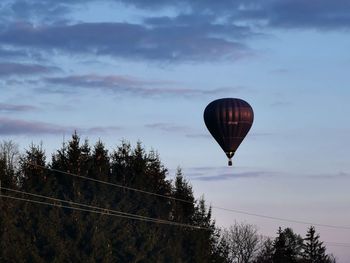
338, 175
104, 81
199, 135
123, 84
18, 127
321, 14
223, 173
4, 107
46, 10
103, 129
8, 53
10, 68
207, 31
259, 134
133, 41
24, 127
167, 127
227, 176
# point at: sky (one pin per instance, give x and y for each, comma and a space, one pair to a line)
146, 69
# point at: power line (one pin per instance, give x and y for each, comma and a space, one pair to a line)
330, 243
84, 205
190, 202
136, 217
111, 184
95, 209
281, 219
111, 212
337, 244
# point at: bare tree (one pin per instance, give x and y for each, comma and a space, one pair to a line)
331, 258
242, 241
10, 154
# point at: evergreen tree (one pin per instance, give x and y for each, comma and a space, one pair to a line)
33, 177
38, 233
287, 246
183, 211
314, 250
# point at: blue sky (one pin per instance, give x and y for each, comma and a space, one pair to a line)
146, 69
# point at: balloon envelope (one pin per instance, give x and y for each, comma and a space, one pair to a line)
229, 121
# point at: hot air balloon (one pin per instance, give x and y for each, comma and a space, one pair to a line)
229, 121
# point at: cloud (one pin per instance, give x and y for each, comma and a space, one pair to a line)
223, 173
24, 127
199, 135
44, 10
93, 81
167, 127
322, 14
4, 107
132, 41
20, 127
227, 176
8, 53
103, 129
196, 31
259, 134
123, 84
10, 68
338, 175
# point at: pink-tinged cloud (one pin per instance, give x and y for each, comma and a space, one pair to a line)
4, 107
125, 84
227, 176
24, 127
10, 68
104, 81
18, 127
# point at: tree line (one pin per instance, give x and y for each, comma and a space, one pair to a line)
34, 232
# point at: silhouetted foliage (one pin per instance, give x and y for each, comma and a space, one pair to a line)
38, 233
242, 241
314, 250
291, 247
41, 233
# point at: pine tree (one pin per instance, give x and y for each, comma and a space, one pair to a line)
287, 246
34, 175
314, 250
37, 233
183, 211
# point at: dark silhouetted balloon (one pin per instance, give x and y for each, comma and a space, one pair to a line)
229, 120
